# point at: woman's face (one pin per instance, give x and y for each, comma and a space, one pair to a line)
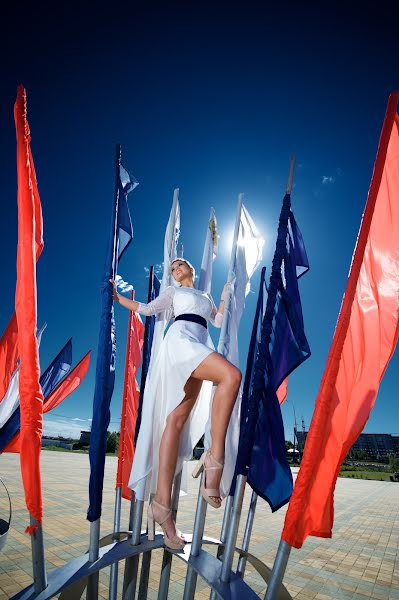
181, 271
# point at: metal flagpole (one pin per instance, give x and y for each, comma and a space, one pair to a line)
277, 574
198, 532
113, 580
38, 560
113, 585
92, 584
242, 561
167, 556
200, 516
232, 531
132, 563
284, 549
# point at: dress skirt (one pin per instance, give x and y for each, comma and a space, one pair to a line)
184, 347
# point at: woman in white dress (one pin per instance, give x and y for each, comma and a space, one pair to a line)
172, 399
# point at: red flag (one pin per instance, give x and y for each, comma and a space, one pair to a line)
30, 245
8, 355
364, 341
282, 391
130, 403
68, 385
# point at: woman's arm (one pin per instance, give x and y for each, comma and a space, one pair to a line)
216, 317
161, 303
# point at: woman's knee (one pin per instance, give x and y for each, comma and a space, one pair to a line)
234, 377
178, 418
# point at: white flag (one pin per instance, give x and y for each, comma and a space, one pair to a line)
170, 254
245, 260
209, 255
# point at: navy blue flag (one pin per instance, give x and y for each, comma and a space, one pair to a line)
49, 379
121, 234
153, 291
278, 345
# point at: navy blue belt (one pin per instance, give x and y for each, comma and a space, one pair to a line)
194, 318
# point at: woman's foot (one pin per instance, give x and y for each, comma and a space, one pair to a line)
163, 516
213, 474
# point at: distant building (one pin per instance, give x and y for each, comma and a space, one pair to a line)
374, 444
55, 442
377, 444
84, 438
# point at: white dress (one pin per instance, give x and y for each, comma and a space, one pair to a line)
184, 347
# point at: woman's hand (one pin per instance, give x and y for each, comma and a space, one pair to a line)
226, 288
114, 290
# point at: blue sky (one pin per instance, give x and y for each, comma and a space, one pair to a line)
213, 100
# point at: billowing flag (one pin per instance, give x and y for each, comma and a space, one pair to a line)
66, 386
8, 355
278, 345
121, 234
130, 402
153, 291
30, 245
10, 401
48, 381
170, 252
364, 340
209, 254
246, 257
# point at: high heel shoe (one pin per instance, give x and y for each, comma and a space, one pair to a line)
205, 492
174, 543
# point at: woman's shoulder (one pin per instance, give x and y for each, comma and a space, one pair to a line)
170, 290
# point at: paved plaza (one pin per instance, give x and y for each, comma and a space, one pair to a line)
361, 561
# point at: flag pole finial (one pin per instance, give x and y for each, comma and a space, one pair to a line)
291, 174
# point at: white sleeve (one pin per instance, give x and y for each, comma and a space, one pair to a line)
160, 304
216, 317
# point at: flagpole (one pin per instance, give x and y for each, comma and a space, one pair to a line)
113, 578
38, 560
200, 516
168, 556
113, 585
284, 549
278, 571
92, 584
242, 561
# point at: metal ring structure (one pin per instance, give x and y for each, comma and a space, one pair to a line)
5, 525
71, 578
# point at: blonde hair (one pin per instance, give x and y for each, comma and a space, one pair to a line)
187, 262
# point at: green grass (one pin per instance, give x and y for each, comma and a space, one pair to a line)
374, 475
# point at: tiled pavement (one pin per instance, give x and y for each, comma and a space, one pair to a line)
361, 561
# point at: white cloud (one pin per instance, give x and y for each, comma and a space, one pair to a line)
327, 179
124, 286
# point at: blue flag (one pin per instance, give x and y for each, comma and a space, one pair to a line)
49, 379
153, 292
278, 345
121, 234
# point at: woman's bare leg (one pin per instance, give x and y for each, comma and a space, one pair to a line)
228, 378
169, 448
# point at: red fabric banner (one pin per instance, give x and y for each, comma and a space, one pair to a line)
63, 389
68, 385
30, 245
282, 391
364, 340
8, 354
130, 403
